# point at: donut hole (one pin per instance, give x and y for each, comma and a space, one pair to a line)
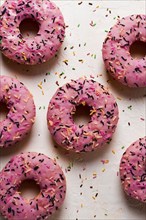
3, 111
138, 49
29, 189
29, 28
82, 115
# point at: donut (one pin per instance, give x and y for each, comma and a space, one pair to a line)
21, 115
45, 44
45, 172
116, 51
103, 115
133, 170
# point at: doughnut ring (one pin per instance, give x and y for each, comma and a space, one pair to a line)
133, 170
45, 44
117, 58
45, 172
104, 115
21, 115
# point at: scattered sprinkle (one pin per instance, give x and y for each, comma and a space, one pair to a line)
57, 83
66, 62
94, 175
80, 3
40, 86
48, 73
104, 161
92, 24
130, 107
61, 74
81, 61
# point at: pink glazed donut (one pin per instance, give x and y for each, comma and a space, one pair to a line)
104, 115
21, 114
133, 170
118, 61
31, 50
45, 172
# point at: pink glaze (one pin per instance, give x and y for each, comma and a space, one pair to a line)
104, 115
133, 170
21, 114
31, 50
45, 172
118, 61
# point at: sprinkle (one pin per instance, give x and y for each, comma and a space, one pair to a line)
113, 152
83, 103
130, 107
81, 61
96, 194
104, 161
65, 61
92, 77
50, 122
96, 8
80, 3
103, 170
122, 147
78, 25
24, 56
92, 111
92, 24
40, 86
94, 175
61, 74
57, 83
